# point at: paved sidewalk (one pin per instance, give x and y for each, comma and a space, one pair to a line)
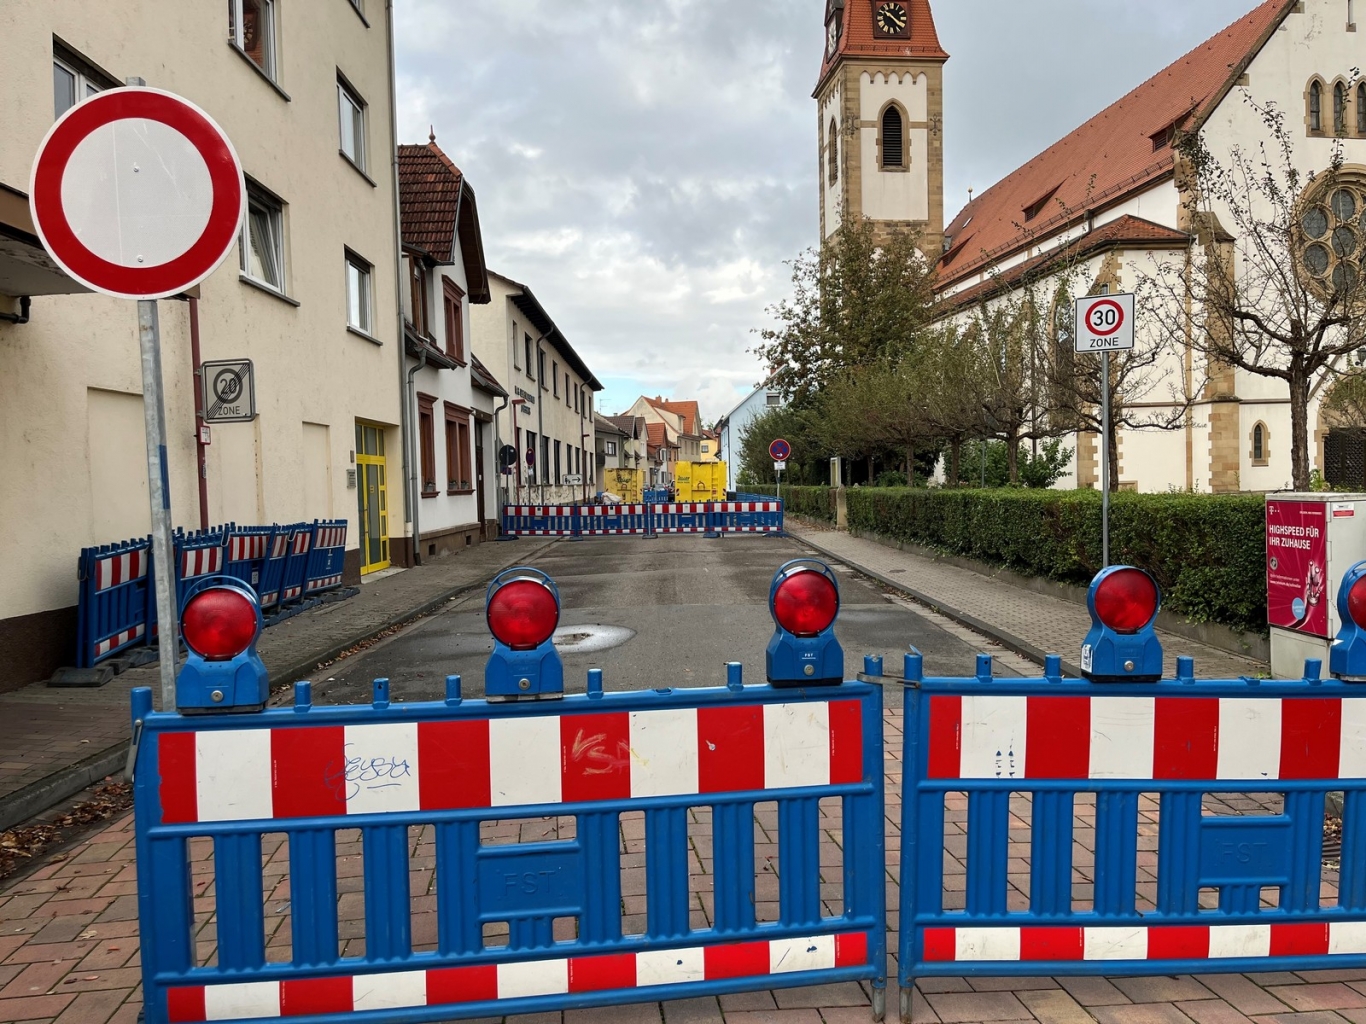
1029, 623
69, 937
56, 742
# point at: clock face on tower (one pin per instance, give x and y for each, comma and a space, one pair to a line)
891, 19
832, 37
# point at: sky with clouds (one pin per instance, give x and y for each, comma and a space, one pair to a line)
647, 166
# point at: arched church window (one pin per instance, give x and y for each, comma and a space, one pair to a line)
1339, 109
1315, 107
1361, 109
833, 154
1259, 438
893, 139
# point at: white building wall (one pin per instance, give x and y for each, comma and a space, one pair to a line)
58, 371
895, 195
831, 112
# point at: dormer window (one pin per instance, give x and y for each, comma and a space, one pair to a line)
1039, 205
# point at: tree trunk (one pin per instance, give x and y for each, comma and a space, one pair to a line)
1299, 429
910, 465
1013, 457
1112, 455
870, 471
955, 454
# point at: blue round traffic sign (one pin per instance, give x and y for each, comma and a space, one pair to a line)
780, 450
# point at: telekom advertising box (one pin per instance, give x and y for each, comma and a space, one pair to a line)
1311, 542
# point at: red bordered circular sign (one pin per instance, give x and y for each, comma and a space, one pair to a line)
137, 193
1110, 320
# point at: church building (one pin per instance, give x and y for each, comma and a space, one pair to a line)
1113, 200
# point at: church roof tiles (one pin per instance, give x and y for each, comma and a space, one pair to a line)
1120, 151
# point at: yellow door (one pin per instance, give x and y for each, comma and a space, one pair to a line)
371, 469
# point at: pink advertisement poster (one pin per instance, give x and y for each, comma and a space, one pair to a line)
1297, 566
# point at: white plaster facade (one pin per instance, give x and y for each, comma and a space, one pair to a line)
551, 411
733, 424
895, 194
70, 390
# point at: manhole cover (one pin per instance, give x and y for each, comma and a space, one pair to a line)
587, 639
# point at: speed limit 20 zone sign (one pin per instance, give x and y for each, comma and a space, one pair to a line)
1105, 323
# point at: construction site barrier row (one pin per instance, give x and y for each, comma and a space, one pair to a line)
298, 786
282, 564
709, 518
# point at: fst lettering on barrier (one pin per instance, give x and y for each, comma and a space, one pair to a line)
294, 785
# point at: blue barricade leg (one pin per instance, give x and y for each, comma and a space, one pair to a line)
313, 895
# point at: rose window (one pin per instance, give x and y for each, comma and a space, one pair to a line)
1334, 244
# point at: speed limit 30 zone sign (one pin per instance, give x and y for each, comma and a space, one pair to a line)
1105, 323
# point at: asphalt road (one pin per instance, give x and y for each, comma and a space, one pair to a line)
673, 610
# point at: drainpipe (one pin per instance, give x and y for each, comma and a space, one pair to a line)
411, 452
21, 317
404, 415
200, 446
540, 415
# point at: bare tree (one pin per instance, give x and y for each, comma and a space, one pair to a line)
1274, 284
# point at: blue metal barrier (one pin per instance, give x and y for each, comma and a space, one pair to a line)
325, 560
115, 598
613, 520
747, 516
540, 521
294, 574
681, 517
198, 554
456, 766
248, 548
273, 568
654, 496
1232, 893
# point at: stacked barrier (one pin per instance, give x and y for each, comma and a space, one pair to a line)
115, 600
713, 518
682, 517
540, 521
282, 564
311, 771
248, 548
325, 561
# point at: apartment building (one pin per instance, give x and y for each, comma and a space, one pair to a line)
304, 91
549, 419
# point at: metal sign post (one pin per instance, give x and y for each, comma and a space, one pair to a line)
1105, 324
138, 194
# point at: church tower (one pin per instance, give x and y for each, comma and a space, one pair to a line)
880, 101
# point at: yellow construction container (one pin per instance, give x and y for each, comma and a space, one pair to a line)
628, 484
700, 481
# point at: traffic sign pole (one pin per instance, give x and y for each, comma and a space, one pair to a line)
159, 493
1105, 460
1104, 323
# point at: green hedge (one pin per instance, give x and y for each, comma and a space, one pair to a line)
1206, 551
812, 502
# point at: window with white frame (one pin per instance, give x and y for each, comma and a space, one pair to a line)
773, 399
358, 294
263, 240
351, 112
251, 28
73, 80
611, 447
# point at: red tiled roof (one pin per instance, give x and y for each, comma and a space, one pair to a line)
860, 37
1120, 148
482, 379
656, 438
430, 201
687, 410
1123, 232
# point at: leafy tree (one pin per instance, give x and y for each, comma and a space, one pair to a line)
854, 302
799, 427
1275, 278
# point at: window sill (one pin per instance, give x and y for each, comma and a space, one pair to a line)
259, 70
461, 491
362, 334
431, 494
895, 170
359, 13
268, 289
357, 168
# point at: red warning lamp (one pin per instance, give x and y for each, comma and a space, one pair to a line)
220, 623
806, 602
1126, 600
523, 614
1356, 602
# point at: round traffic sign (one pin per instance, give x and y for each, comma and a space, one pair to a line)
780, 450
1105, 317
137, 193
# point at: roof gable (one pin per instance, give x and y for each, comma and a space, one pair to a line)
687, 411
437, 206
1122, 150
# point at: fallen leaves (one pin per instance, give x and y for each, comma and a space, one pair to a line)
20, 845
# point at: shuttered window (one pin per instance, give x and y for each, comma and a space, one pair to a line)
893, 139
